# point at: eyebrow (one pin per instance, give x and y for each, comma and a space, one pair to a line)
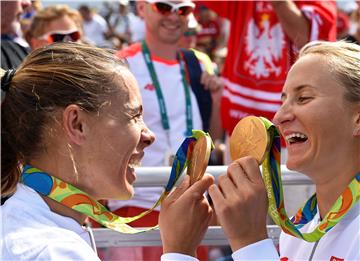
135, 111
297, 89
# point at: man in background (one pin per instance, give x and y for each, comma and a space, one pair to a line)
13, 50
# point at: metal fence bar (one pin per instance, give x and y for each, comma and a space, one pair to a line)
214, 237
158, 176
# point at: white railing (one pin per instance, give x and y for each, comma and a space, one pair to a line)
213, 237
158, 176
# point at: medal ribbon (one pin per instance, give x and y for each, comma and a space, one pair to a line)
72, 197
272, 179
159, 95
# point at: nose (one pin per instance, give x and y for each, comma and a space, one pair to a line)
147, 137
283, 115
174, 16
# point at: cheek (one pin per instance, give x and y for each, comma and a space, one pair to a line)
129, 139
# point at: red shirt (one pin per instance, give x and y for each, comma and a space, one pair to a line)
260, 54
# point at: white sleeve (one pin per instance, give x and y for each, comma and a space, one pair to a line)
177, 257
261, 250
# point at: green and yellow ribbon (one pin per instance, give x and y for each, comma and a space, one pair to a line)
272, 178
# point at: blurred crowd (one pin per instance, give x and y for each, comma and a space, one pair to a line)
115, 25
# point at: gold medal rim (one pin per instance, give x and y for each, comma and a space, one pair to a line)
203, 143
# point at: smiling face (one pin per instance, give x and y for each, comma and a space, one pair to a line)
115, 143
315, 119
163, 28
61, 24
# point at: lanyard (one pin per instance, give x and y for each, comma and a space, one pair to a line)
272, 178
159, 95
72, 197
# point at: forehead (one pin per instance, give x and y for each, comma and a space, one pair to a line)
62, 23
129, 95
313, 71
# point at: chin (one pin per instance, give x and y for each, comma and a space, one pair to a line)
293, 165
127, 194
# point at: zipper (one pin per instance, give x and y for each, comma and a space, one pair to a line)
88, 229
313, 250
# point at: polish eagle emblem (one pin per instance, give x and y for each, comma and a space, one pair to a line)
264, 47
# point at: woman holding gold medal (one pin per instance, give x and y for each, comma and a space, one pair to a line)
72, 133
320, 121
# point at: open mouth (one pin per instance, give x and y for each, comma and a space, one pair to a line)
135, 160
296, 138
134, 164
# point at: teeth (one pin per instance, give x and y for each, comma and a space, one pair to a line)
134, 164
295, 135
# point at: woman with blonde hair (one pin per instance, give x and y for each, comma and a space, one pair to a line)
320, 120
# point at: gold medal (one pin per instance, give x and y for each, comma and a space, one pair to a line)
249, 138
199, 159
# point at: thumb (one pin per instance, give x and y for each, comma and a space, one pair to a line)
199, 187
185, 184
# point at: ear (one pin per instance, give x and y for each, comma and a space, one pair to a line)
140, 8
74, 123
356, 131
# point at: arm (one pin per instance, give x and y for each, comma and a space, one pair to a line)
215, 84
293, 22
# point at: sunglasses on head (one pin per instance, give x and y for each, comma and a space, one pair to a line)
62, 36
166, 8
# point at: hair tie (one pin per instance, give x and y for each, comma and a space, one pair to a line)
6, 79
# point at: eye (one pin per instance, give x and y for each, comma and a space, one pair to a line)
138, 117
304, 99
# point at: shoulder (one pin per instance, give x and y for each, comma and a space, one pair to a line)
98, 18
43, 249
205, 60
130, 51
45, 243
37, 229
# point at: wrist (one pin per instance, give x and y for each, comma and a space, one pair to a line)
179, 250
238, 243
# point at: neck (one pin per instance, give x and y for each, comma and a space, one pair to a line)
328, 192
160, 49
64, 211
57, 167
